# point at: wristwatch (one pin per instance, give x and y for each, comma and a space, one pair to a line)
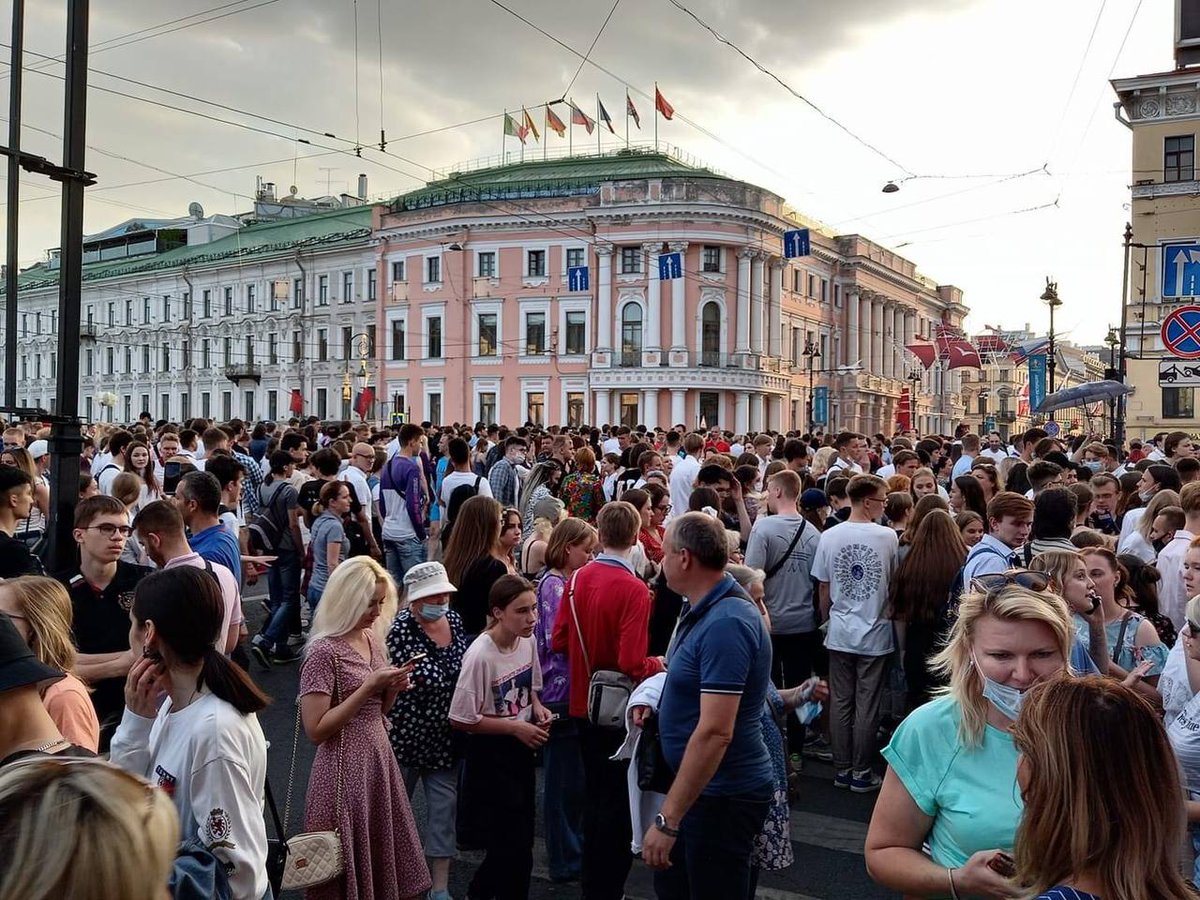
660, 822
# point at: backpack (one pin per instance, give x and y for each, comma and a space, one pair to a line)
265, 533
458, 497
959, 587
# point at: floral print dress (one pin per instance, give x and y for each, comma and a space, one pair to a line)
773, 845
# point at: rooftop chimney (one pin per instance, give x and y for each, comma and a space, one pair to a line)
362, 187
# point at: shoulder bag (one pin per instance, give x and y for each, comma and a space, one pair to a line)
313, 857
788, 552
608, 689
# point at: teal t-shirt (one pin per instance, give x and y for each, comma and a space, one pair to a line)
971, 794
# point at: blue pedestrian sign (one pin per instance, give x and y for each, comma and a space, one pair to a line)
1181, 270
796, 243
820, 406
577, 278
670, 265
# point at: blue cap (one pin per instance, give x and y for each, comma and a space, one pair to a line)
813, 498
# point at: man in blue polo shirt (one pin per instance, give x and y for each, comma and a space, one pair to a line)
198, 499
710, 723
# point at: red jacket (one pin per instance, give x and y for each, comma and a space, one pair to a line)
614, 615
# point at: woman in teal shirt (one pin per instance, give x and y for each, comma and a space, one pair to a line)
951, 781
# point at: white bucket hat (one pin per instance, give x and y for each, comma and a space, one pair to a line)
427, 580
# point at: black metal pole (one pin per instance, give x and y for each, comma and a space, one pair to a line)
1119, 421
65, 436
14, 201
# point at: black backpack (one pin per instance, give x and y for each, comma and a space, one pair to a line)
458, 497
265, 533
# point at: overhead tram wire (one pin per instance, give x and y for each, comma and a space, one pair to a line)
1075, 81
583, 62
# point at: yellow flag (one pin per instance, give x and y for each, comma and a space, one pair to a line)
529, 124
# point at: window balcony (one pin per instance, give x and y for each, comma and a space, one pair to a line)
244, 372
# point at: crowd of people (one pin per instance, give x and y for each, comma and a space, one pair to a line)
1000, 640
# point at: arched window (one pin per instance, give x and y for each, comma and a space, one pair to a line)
631, 335
710, 335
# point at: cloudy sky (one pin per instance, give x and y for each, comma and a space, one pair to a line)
961, 92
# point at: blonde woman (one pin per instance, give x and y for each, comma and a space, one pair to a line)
347, 687
547, 513
128, 489
40, 608
83, 829
822, 460
951, 778
1096, 825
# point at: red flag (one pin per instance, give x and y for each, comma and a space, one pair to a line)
366, 399
579, 117
553, 121
631, 110
959, 354
904, 411
296, 406
922, 349
661, 104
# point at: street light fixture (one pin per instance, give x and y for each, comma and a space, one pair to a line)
1113, 341
811, 354
1050, 297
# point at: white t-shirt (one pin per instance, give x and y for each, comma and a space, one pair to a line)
857, 559
211, 761
107, 475
683, 474
612, 445
1184, 734
847, 469
354, 477
1173, 682
996, 456
457, 479
494, 683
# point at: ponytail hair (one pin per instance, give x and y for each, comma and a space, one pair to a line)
186, 606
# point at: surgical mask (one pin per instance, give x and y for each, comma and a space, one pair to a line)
1145, 496
1093, 465
809, 712
431, 612
1008, 700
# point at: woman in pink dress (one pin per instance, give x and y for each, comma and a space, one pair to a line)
346, 690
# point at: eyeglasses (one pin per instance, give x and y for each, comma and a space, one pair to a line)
998, 581
108, 529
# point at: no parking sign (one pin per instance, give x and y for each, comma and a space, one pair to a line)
1181, 332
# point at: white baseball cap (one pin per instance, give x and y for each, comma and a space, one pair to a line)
38, 449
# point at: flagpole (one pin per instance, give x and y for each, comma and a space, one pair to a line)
656, 117
571, 131
545, 130
503, 126
597, 124
626, 118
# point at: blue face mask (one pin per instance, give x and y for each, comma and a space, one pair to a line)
1007, 700
1093, 464
431, 612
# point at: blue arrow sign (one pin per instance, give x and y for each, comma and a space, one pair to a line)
1181, 270
670, 265
577, 278
796, 243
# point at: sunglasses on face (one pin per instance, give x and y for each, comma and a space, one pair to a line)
996, 582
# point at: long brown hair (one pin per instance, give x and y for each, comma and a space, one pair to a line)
923, 581
147, 473
924, 507
475, 535
1102, 793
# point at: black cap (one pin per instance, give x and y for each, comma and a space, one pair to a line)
18, 666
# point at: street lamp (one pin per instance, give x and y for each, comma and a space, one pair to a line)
914, 378
362, 343
1113, 341
811, 354
1050, 296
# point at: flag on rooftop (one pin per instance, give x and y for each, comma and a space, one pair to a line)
513, 129
603, 113
661, 104
532, 129
579, 117
631, 110
553, 121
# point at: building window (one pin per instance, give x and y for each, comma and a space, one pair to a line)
347, 287
434, 325
228, 301
146, 310
227, 350
297, 347
371, 342
435, 408
206, 304
127, 404
249, 350
487, 336
185, 406
205, 357
631, 336
576, 332
322, 403
89, 363
575, 257
398, 340
710, 260
272, 405
983, 404
535, 407
273, 348
710, 409
322, 290
53, 365
145, 359
226, 405
251, 297
166, 358
248, 406
109, 367
487, 407
487, 269
1179, 158
128, 312
297, 292
398, 404
89, 315
322, 344
398, 270
372, 278
433, 270
535, 333
710, 335
186, 353
629, 409
166, 406
166, 308
575, 407
536, 266
797, 276
112, 314
206, 404
1178, 403
347, 342
631, 260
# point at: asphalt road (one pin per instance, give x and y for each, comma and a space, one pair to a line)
828, 825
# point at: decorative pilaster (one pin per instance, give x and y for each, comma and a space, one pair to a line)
756, 304
652, 353
775, 309
602, 358
679, 356
743, 299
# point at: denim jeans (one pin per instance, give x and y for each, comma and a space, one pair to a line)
313, 597
562, 765
711, 856
401, 556
283, 585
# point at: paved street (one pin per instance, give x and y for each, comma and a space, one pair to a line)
828, 825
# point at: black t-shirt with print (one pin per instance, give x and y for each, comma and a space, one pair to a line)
16, 559
101, 625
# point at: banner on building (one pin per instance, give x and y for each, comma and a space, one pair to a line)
1037, 380
820, 406
904, 411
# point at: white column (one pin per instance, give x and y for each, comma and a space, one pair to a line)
616, 406
604, 313
877, 338
741, 412
743, 300
889, 339
898, 317
850, 338
775, 309
603, 408
649, 410
775, 413
654, 298
864, 334
678, 408
679, 307
756, 304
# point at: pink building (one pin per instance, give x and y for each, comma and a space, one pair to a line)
481, 320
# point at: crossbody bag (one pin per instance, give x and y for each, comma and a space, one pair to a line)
608, 690
788, 552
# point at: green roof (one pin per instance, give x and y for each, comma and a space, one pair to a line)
572, 175
263, 239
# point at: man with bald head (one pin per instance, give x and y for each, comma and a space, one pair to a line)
360, 464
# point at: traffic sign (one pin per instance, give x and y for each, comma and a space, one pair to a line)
399, 418
1181, 332
1175, 374
796, 243
670, 265
1051, 428
577, 278
1181, 270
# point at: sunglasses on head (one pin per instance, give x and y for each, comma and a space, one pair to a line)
996, 582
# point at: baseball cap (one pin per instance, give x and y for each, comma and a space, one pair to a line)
813, 498
18, 666
38, 449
